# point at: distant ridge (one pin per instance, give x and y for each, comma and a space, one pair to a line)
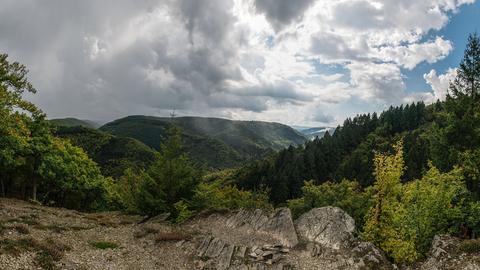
215, 142
314, 132
73, 122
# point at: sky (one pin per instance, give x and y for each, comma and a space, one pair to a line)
303, 62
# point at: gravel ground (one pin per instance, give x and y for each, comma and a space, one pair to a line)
77, 231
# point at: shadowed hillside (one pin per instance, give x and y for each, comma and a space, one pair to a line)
72, 122
214, 142
112, 153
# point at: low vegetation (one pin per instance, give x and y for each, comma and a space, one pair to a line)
48, 252
171, 236
470, 246
104, 245
21, 229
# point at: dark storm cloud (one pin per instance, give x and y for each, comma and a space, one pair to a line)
282, 12
105, 59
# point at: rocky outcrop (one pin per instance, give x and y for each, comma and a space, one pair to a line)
446, 253
328, 226
218, 254
327, 236
330, 233
279, 225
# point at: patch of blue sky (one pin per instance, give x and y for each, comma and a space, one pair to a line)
331, 69
461, 24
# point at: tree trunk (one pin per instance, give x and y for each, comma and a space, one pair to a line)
34, 193
2, 186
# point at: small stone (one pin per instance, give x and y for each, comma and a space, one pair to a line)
240, 251
180, 243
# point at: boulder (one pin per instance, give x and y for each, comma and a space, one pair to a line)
328, 226
446, 253
278, 225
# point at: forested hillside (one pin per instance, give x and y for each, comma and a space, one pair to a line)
113, 154
214, 142
73, 122
349, 151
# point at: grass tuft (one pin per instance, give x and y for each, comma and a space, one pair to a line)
470, 246
48, 251
52, 227
144, 232
21, 229
171, 236
104, 245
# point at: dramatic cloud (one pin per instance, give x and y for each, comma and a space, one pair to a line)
297, 62
282, 12
440, 84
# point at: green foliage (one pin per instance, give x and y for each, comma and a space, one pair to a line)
126, 190
405, 218
434, 205
213, 142
347, 195
71, 179
183, 210
381, 221
467, 82
218, 196
113, 154
170, 179
33, 160
472, 214
346, 154
164, 187
16, 116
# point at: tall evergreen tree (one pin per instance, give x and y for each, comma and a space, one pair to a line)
467, 81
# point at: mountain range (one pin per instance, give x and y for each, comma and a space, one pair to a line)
213, 143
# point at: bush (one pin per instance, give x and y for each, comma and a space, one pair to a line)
473, 218
348, 195
405, 218
217, 196
183, 211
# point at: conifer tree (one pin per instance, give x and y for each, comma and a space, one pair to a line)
467, 81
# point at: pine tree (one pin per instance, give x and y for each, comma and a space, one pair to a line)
467, 81
170, 179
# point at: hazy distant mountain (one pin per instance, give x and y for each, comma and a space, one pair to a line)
214, 142
313, 132
72, 122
